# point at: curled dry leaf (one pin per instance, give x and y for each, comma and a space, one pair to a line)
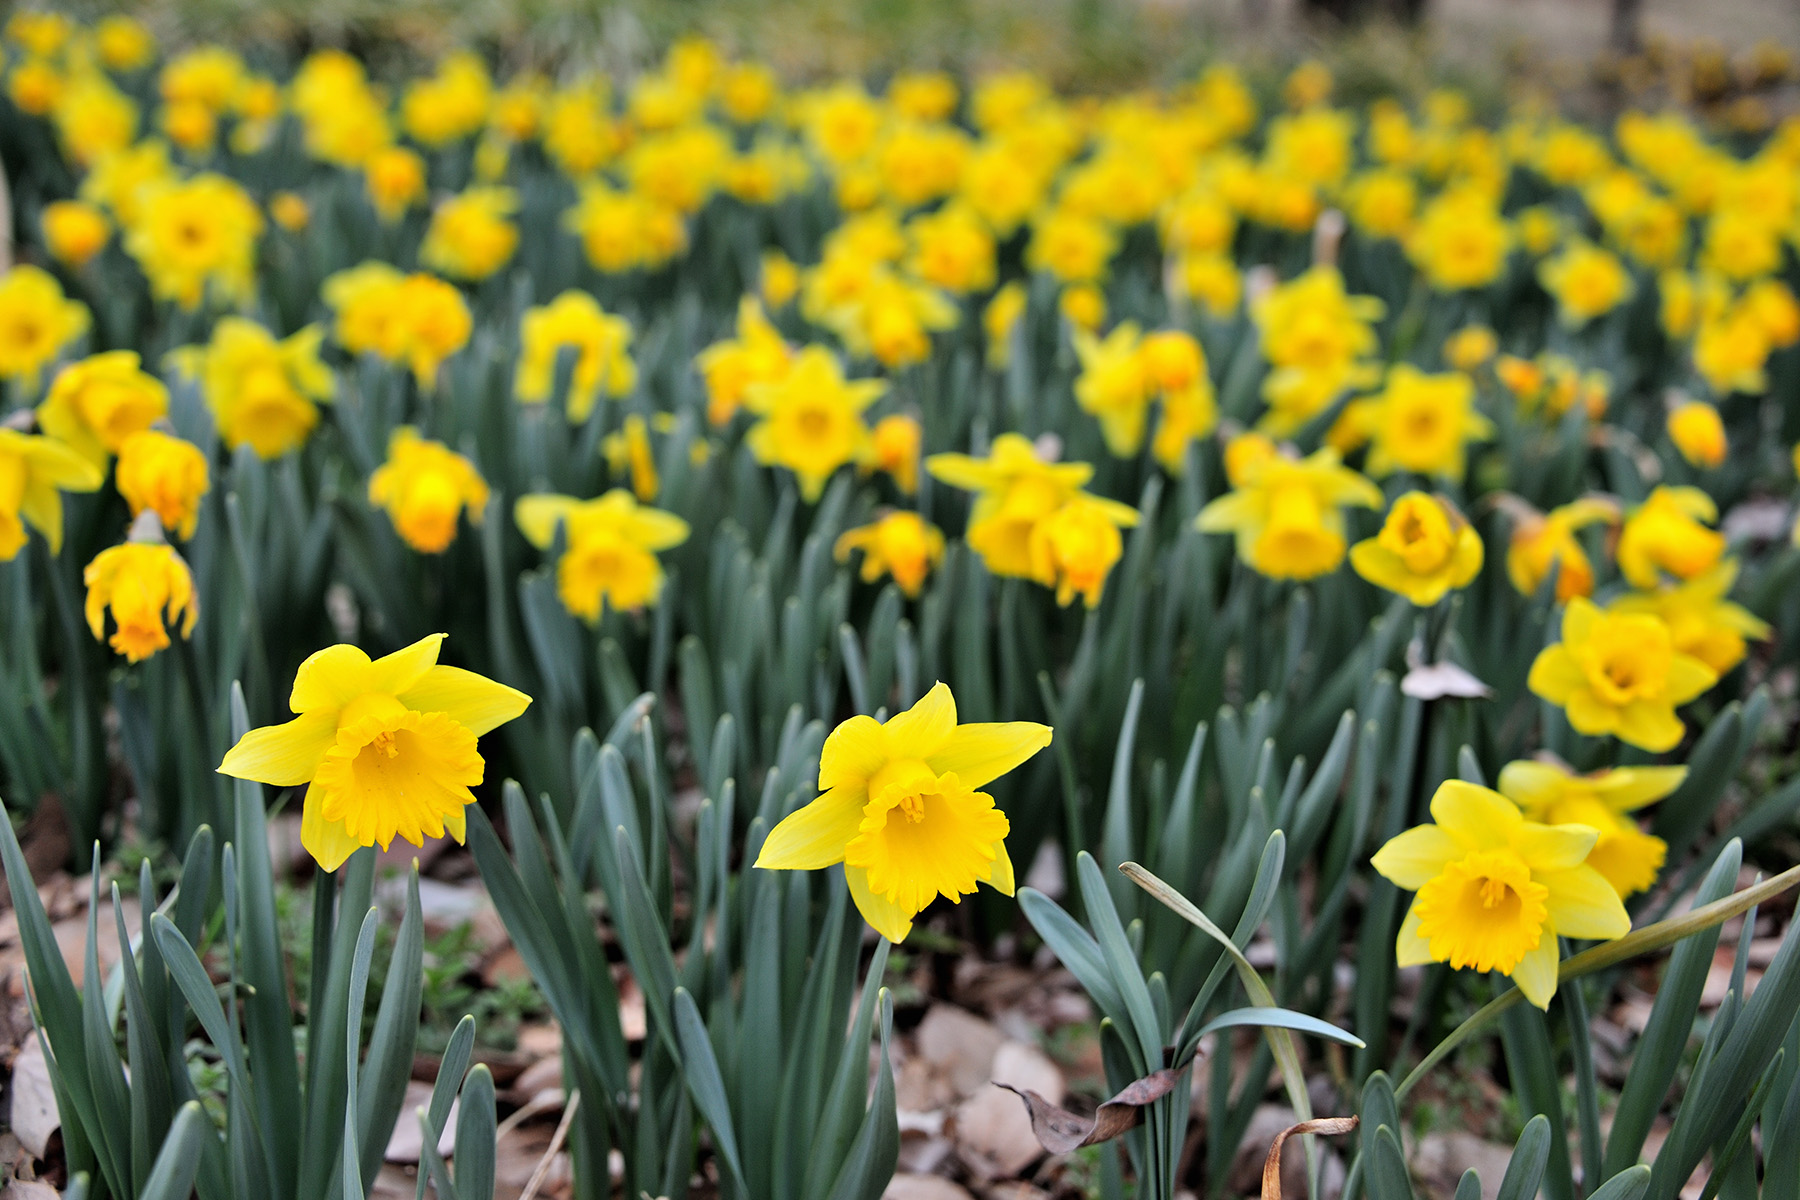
1060, 1131
1271, 1181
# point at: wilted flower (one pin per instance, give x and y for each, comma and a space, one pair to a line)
1076, 545
148, 588
167, 476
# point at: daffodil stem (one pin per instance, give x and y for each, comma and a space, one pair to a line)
200, 698
1647, 940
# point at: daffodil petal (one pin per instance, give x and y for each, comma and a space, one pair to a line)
1410, 949
882, 914
1630, 788
852, 752
1688, 677
282, 755
1000, 876
1531, 784
922, 729
326, 841
1471, 814
977, 754
474, 701
1554, 847
1583, 904
397, 672
329, 679
814, 836
538, 516
1647, 726
1536, 972
1555, 675
1413, 857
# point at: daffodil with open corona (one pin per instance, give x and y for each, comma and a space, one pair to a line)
898, 807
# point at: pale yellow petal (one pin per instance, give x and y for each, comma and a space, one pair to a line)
1000, 875
882, 914
282, 755
474, 701
977, 754
395, 673
852, 752
538, 516
1411, 950
1413, 857
1536, 972
1583, 904
1475, 816
326, 841
814, 836
1554, 847
922, 729
329, 679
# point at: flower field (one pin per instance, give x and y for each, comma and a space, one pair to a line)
1241, 615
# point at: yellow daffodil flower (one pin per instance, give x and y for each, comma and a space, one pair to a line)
1701, 621
628, 454
901, 544
472, 234
1113, 386
75, 231
1015, 489
1074, 547
195, 236
1421, 423
1495, 891
425, 486
602, 346
810, 420
1619, 673
610, 556
1549, 792
1541, 541
898, 807
894, 449
1287, 515
1698, 433
264, 393
758, 355
165, 475
386, 747
143, 583
1586, 281
34, 471
36, 322
1470, 347
1424, 550
1665, 536
95, 404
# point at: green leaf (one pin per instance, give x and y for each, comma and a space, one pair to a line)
111, 1136
451, 1066
172, 1177
351, 1173
1121, 964
838, 1123
1628, 1184
873, 1156
1387, 1169
701, 1070
1529, 1157
1469, 1186
475, 1136
152, 1102
1280, 1018
381, 1089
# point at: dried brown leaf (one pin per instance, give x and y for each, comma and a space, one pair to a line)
1060, 1131
1271, 1179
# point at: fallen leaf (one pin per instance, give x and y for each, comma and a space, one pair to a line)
1060, 1131
1271, 1176
34, 1116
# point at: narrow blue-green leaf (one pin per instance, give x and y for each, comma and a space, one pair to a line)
1530, 1156
172, 1176
706, 1085
1280, 1018
475, 1136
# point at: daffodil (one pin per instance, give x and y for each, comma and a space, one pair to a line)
75, 231
1015, 489
1421, 423
894, 449
757, 355
1701, 621
601, 343
165, 475
34, 471
387, 747
1495, 891
1113, 386
95, 404
1549, 792
264, 392
425, 486
1666, 536
472, 234
1074, 548
1587, 282
36, 322
1619, 673
628, 453
901, 544
610, 556
1425, 549
1698, 433
1287, 515
898, 807
148, 588
810, 420
1542, 541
